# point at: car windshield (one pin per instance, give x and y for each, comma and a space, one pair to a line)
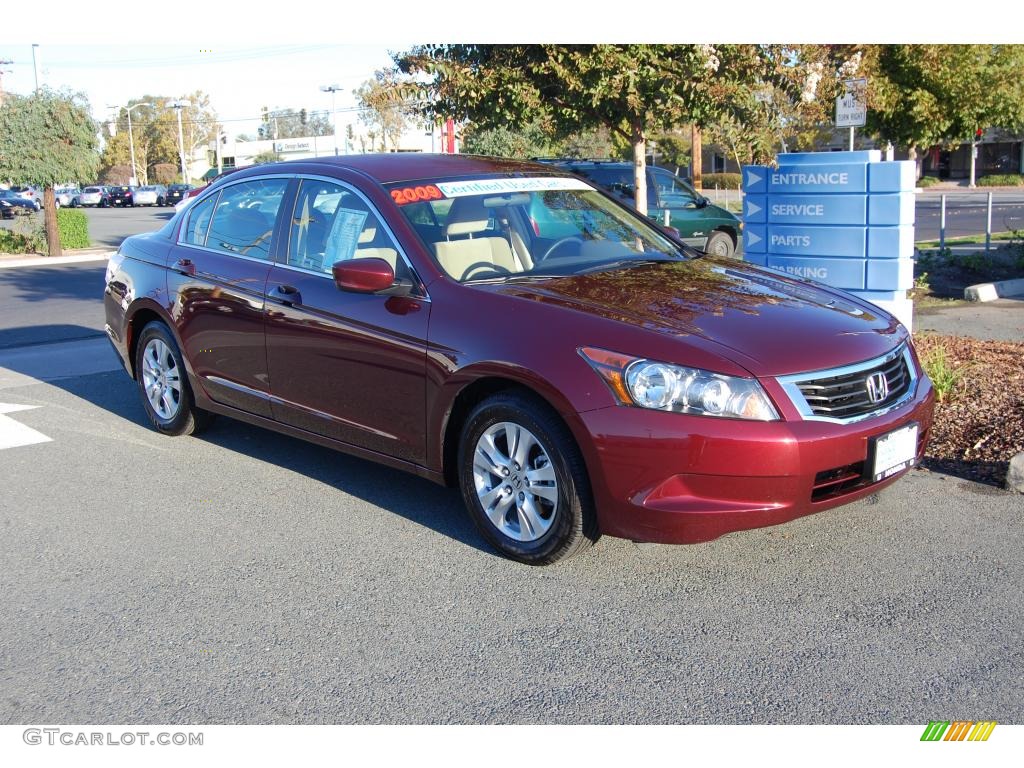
543, 226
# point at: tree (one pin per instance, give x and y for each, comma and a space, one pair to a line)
155, 132
384, 108
632, 90
921, 95
46, 139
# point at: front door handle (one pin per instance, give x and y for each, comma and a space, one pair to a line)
286, 294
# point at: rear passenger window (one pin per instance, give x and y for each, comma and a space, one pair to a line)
243, 221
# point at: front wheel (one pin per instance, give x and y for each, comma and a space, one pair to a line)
720, 244
523, 480
163, 383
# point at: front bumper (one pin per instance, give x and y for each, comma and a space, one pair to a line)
673, 478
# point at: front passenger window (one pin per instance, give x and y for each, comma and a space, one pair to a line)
244, 220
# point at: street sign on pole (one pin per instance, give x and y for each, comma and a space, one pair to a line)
852, 107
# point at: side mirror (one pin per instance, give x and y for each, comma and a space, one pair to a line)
370, 275
672, 231
703, 202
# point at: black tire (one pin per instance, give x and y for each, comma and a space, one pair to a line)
186, 419
573, 522
720, 244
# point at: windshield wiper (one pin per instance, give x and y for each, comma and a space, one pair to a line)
620, 263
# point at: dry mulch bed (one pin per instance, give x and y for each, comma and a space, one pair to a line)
979, 427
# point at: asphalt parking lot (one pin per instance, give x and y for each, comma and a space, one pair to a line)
245, 577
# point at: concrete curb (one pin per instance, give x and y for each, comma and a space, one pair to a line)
992, 291
42, 261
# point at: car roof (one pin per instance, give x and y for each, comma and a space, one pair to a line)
390, 167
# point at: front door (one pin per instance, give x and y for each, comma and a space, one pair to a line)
347, 366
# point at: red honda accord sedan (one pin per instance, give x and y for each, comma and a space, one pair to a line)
511, 330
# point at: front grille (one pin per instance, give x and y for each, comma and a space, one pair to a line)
846, 396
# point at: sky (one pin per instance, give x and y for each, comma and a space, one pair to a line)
240, 79
250, 55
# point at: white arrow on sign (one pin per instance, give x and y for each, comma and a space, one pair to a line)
752, 239
752, 208
13, 434
753, 178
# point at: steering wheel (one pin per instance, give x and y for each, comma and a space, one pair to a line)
559, 243
488, 266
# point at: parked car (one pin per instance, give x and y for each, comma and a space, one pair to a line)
176, 192
12, 204
123, 196
150, 195
67, 196
33, 194
409, 309
699, 222
94, 197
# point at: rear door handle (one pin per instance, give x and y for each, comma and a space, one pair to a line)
286, 294
185, 267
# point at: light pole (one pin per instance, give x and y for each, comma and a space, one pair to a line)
131, 138
178, 106
333, 90
220, 164
35, 64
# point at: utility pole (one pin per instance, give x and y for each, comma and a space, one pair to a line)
178, 106
696, 158
35, 63
131, 137
333, 90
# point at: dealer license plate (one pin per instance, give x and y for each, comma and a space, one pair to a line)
894, 452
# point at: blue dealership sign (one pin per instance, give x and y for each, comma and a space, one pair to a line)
842, 218
818, 209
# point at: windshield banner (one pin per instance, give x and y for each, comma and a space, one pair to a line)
497, 186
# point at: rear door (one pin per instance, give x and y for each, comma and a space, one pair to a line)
217, 276
348, 366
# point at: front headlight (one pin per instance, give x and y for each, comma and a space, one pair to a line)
667, 387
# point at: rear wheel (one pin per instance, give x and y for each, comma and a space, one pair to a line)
163, 383
524, 482
720, 244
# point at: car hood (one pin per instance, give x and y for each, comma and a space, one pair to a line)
768, 323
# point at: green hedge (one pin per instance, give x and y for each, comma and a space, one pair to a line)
74, 228
721, 180
1002, 180
927, 181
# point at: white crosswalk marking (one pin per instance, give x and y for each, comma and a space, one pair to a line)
14, 434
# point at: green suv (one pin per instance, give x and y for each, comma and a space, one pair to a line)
699, 222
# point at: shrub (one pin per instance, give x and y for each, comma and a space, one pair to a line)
1002, 180
927, 181
26, 236
73, 227
721, 180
